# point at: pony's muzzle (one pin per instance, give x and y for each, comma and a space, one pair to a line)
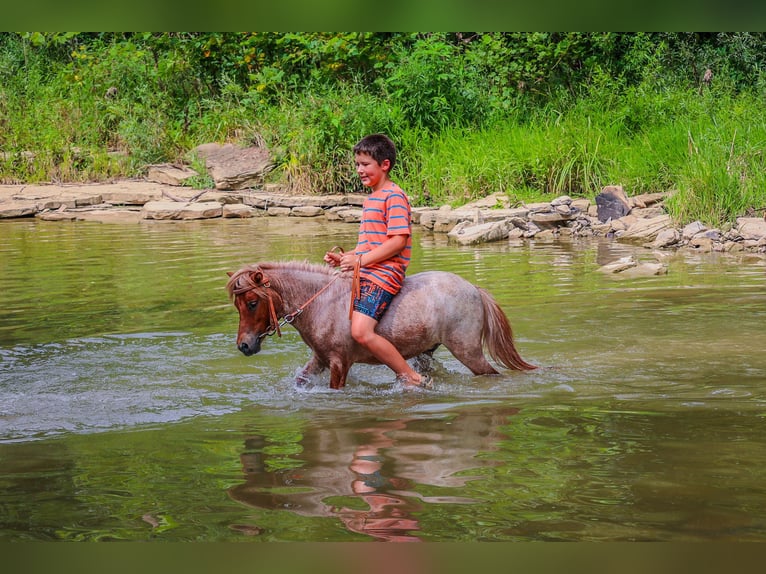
250, 345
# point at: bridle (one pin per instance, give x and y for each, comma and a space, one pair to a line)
274, 323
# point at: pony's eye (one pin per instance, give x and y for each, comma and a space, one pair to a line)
251, 305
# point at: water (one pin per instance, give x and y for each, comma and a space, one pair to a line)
126, 412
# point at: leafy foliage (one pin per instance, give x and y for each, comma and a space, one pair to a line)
529, 114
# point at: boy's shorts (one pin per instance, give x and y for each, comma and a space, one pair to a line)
373, 300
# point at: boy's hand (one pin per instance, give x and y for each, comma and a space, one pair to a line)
332, 258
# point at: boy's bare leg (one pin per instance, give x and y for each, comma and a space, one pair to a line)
363, 332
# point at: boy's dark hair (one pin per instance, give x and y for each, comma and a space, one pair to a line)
379, 147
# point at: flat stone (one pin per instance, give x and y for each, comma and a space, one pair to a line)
13, 209
180, 210
751, 227
109, 216
644, 270
237, 210
468, 234
307, 211
170, 174
693, 229
561, 200
702, 244
350, 215
279, 211
647, 199
647, 228
57, 216
553, 219
666, 238
620, 265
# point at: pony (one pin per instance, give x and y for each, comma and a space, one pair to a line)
433, 308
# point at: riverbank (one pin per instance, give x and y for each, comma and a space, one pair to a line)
639, 219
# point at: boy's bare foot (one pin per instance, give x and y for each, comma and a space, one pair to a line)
423, 382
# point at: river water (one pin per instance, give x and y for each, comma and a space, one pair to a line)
127, 413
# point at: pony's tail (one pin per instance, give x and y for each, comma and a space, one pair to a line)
497, 335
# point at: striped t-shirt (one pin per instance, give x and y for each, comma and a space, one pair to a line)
385, 212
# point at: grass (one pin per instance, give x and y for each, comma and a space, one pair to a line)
706, 147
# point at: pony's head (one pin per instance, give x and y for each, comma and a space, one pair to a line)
258, 305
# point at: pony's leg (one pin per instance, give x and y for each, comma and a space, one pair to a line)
470, 352
424, 362
338, 372
310, 369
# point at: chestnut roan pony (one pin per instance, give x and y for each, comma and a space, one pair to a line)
433, 308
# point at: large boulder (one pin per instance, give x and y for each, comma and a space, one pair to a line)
233, 167
612, 203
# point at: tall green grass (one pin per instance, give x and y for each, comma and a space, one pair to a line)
111, 113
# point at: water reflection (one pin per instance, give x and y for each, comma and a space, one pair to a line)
121, 386
371, 477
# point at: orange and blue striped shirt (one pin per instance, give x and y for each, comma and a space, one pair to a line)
384, 213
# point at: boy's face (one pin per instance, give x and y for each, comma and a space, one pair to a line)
372, 173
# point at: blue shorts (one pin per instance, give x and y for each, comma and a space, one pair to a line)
373, 300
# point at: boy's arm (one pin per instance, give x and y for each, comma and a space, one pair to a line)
393, 245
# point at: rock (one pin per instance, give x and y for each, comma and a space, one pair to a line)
666, 238
108, 216
624, 223
630, 267
545, 235
466, 233
612, 203
170, 174
550, 220
620, 265
237, 210
693, 229
279, 211
647, 199
647, 228
292, 201
180, 210
751, 227
306, 211
350, 215
532, 229
561, 200
702, 244
233, 167
494, 200
428, 219
645, 270
14, 209
57, 216
581, 204
647, 212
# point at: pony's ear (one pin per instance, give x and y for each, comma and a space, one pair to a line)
229, 273
257, 277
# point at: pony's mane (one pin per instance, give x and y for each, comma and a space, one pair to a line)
240, 279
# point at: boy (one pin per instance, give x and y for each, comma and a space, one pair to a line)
382, 252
